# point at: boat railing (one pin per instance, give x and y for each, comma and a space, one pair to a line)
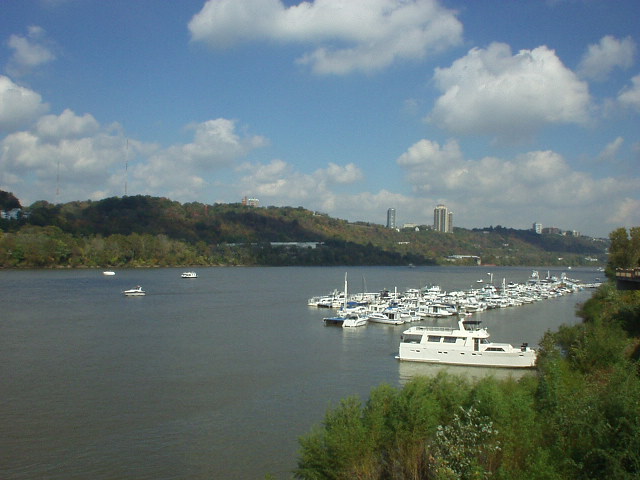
435, 329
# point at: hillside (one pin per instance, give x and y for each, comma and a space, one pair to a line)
233, 233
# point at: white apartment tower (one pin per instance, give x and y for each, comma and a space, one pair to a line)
442, 219
391, 218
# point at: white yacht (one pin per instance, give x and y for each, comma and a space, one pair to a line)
109, 273
466, 344
189, 275
135, 292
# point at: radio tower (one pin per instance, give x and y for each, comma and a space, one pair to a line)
126, 168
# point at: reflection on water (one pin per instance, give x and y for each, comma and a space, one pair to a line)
409, 370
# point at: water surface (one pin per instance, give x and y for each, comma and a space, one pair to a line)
214, 377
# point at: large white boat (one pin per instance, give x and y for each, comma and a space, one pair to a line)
466, 344
189, 275
135, 292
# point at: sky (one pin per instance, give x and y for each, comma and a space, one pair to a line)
508, 113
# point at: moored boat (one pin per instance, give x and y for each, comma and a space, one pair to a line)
135, 292
189, 275
353, 320
385, 318
466, 344
108, 273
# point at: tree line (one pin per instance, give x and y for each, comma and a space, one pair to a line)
117, 231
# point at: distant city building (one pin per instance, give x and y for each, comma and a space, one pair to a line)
442, 219
552, 230
537, 227
391, 218
251, 202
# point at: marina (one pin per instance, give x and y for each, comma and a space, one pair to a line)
96, 385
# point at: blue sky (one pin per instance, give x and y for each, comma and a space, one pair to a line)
507, 112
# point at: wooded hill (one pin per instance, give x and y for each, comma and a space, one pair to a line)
143, 230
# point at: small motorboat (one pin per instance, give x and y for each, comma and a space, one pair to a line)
189, 275
108, 273
135, 292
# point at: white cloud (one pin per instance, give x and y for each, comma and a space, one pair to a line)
66, 125
600, 59
492, 92
179, 171
534, 186
630, 96
348, 36
30, 51
18, 105
280, 183
347, 174
610, 152
89, 160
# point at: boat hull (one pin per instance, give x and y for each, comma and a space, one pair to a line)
419, 353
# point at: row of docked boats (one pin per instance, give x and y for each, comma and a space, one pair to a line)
467, 343
433, 302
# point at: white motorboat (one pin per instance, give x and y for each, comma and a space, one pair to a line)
135, 292
386, 318
353, 320
108, 273
189, 275
466, 344
437, 310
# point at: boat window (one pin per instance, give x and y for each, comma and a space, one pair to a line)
485, 340
434, 338
450, 339
494, 349
411, 338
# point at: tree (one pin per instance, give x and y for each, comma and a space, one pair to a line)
624, 251
8, 201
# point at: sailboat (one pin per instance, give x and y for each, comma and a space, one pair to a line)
344, 318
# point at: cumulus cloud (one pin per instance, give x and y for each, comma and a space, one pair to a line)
89, 159
18, 105
348, 36
29, 51
600, 59
630, 96
610, 152
66, 125
280, 183
510, 97
83, 164
533, 186
179, 170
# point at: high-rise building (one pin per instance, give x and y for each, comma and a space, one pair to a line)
537, 227
391, 218
250, 202
442, 219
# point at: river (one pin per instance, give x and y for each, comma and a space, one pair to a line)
214, 377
